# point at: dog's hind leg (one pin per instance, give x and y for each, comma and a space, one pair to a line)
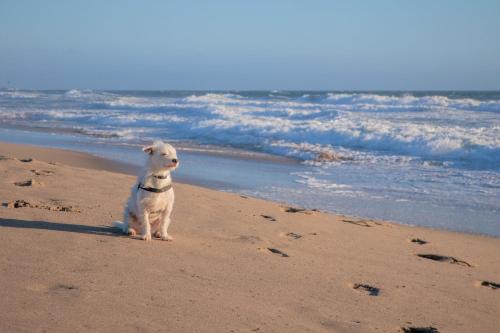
130, 223
123, 225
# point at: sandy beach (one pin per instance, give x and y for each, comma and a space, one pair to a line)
237, 264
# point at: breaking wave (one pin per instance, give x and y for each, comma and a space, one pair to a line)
315, 127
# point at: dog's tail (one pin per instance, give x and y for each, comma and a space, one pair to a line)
119, 224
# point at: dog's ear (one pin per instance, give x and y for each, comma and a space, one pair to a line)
148, 150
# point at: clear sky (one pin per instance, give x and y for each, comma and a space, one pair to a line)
250, 44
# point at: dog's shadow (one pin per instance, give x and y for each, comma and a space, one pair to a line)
65, 227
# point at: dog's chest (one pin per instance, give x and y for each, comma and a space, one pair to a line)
157, 202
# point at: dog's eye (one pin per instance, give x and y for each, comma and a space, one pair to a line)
164, 154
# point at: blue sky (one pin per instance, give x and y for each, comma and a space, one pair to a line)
268, 44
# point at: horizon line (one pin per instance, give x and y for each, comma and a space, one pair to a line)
258, 90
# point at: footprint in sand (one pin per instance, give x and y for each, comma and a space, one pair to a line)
362, 223
293, 236
367, 289
42, 172
26, 160
65, 289
451, 260
411, 329
23, 203
62, 286
269, 217
248, 238
28, 183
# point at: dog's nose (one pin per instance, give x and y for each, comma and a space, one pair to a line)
174, 160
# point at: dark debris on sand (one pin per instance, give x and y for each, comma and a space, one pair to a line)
299, 210
490, 284
429, 329
276, 251
418, 241
440, 258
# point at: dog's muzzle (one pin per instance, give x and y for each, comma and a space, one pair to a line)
175, 163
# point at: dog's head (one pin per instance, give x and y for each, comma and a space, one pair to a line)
162, 156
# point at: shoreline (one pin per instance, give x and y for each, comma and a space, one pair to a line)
346, 188
91, 161
237, 263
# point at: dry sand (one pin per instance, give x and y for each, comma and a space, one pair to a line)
237, 264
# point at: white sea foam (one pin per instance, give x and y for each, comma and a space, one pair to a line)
346, 125
456, 134
311, 181
409, 102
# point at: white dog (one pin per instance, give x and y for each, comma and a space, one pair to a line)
152, 198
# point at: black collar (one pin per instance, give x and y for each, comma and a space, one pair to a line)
154, 190
160, 176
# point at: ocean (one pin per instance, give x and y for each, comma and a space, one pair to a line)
420, 158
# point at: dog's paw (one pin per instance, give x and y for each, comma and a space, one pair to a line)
167, 238
146, 237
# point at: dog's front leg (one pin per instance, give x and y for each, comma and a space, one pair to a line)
165, 222
146, 226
